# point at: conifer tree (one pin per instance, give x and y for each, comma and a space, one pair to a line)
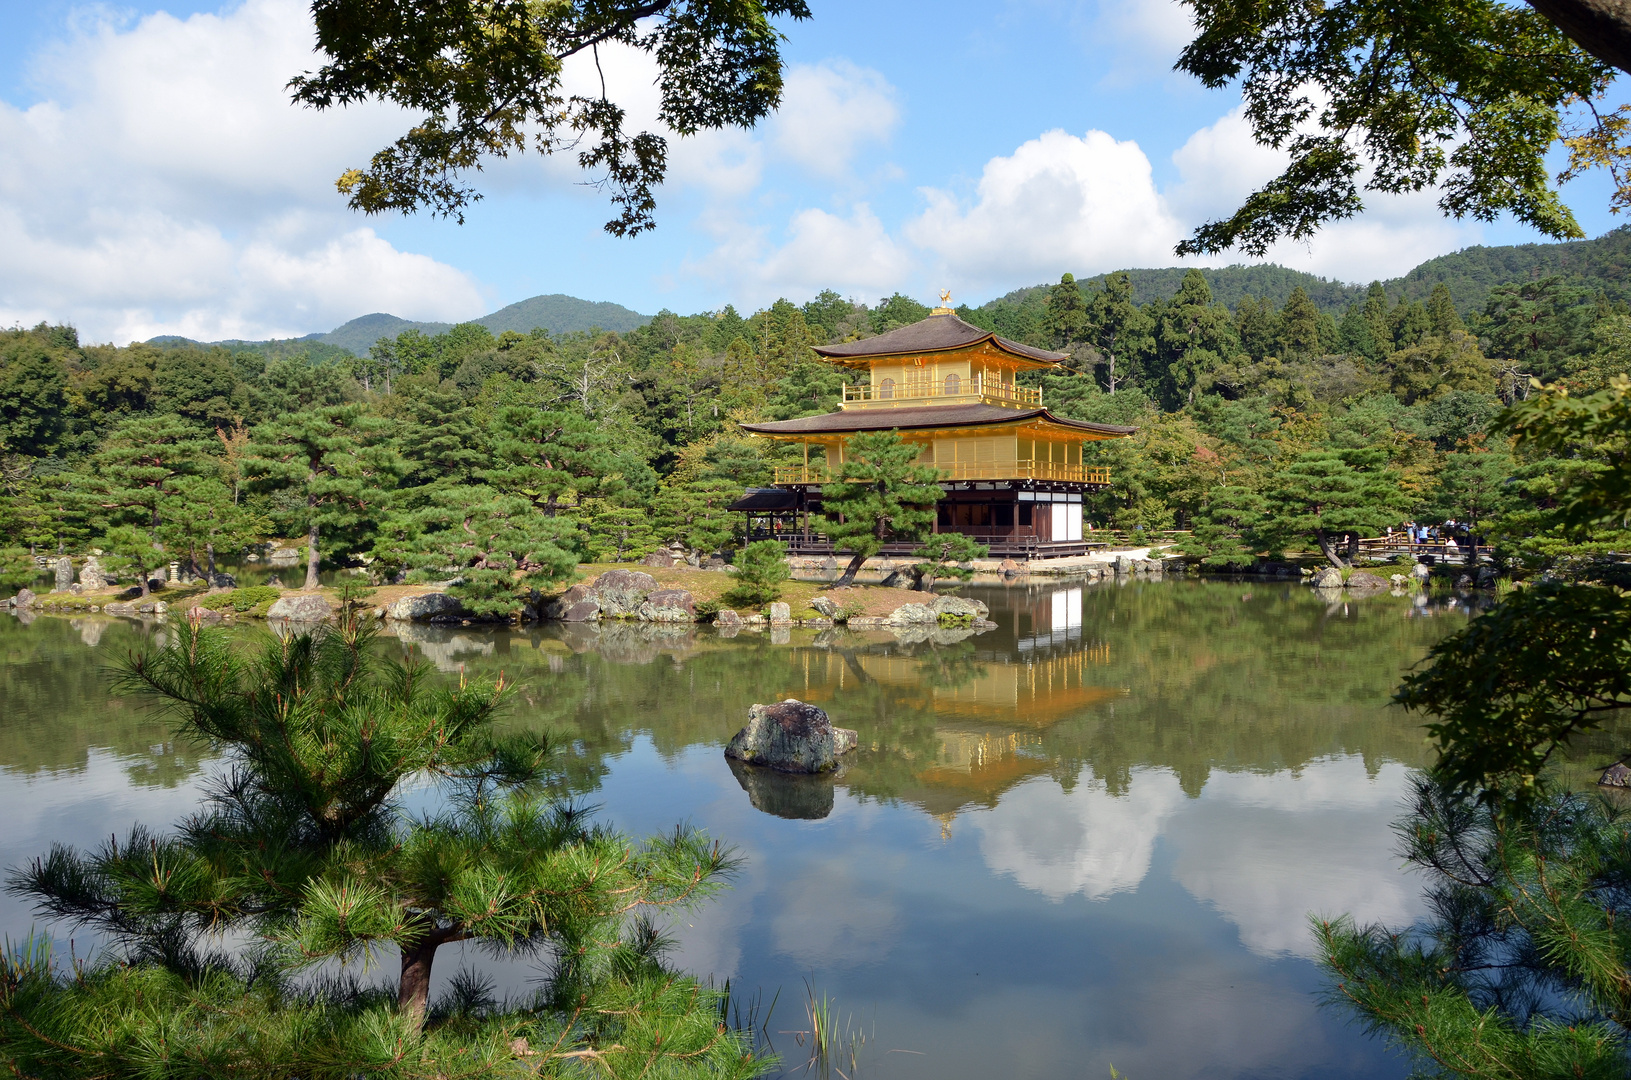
334, 458
879, 494
941, 557
1067, 321
136, 467
695, 513
303, 851
1226, 530
1120, 330
496, 545
1332, 496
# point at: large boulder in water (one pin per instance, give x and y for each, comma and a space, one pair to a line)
621, 592
791, 736
308, 607
422, 608
1328, 578
668, 605
1359, 579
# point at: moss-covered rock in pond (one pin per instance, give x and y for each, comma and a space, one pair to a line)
791, 736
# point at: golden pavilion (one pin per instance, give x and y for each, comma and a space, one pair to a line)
1013, 473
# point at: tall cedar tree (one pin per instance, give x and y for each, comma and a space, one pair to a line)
334, 459
880, 494
303, 847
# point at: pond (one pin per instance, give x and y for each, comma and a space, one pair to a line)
1089, 837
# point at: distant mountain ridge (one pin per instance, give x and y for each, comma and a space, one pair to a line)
1601, 265
556, 312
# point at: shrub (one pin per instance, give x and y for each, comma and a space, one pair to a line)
242, 600
761, 568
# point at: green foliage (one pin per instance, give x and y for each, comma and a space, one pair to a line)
1224, 530
302, 848
129, 549
879, 494
1548, 661
241, 600
495, 546
1488, 85
941, 556
761, 569
497, 78
612, 533
1331, 496
335, 461
695, 514
1520, 968
18, 570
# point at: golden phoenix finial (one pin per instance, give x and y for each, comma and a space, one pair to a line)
945, 297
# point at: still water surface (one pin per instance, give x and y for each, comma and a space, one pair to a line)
1092, 836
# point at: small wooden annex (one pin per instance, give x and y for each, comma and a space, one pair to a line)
1014, 474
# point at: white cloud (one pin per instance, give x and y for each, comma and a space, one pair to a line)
1084, 841
165, 184
1269, 850
829, 110
1222, 164
1059, 202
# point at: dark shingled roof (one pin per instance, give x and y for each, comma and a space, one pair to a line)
937, 333
928, 416
765, 499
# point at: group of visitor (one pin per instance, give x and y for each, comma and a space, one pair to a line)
1450, 532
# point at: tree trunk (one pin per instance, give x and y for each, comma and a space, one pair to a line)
1601, 27
209, 554
850, 571
413, 990
311, 558
141, 576
1353, 548
1329, 550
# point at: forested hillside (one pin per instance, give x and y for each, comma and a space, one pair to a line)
604, 445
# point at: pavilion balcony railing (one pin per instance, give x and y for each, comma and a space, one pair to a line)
970, 470
974, 388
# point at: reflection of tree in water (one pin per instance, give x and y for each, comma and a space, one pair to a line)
1189, 676
55, 686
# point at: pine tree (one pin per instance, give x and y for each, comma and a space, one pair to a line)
1120, 331
879, 494
1300, 326
761, 568
1225, 530
135, 468
941, 556
695, 514
496, 545
1441, 312
200, 517
303, 852
1331, 496
613, 533
335, 460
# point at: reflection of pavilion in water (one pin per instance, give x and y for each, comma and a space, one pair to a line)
990, 709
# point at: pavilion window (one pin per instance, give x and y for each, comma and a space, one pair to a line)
953, 385
886, 389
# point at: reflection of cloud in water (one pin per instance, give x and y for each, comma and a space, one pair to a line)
1267, 851
1085, 840
829, 917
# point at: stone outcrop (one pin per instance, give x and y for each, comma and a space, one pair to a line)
23, 600
117, 608
960, 607
306, 607
660, 559
64, 571
728, 623
422, 608
790, 736
219, 580
1359, 579
780, 613
912, 615
283, 556
1328, 578
668, 605
1616, 775
827, 606
621, 592
92, 576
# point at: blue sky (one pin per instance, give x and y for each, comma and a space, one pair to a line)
155, 180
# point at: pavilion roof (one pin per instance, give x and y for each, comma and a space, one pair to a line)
937, 333
927, 416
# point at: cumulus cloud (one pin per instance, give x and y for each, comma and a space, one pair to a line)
829, 111
1087, 203
1221, 164
162, 183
